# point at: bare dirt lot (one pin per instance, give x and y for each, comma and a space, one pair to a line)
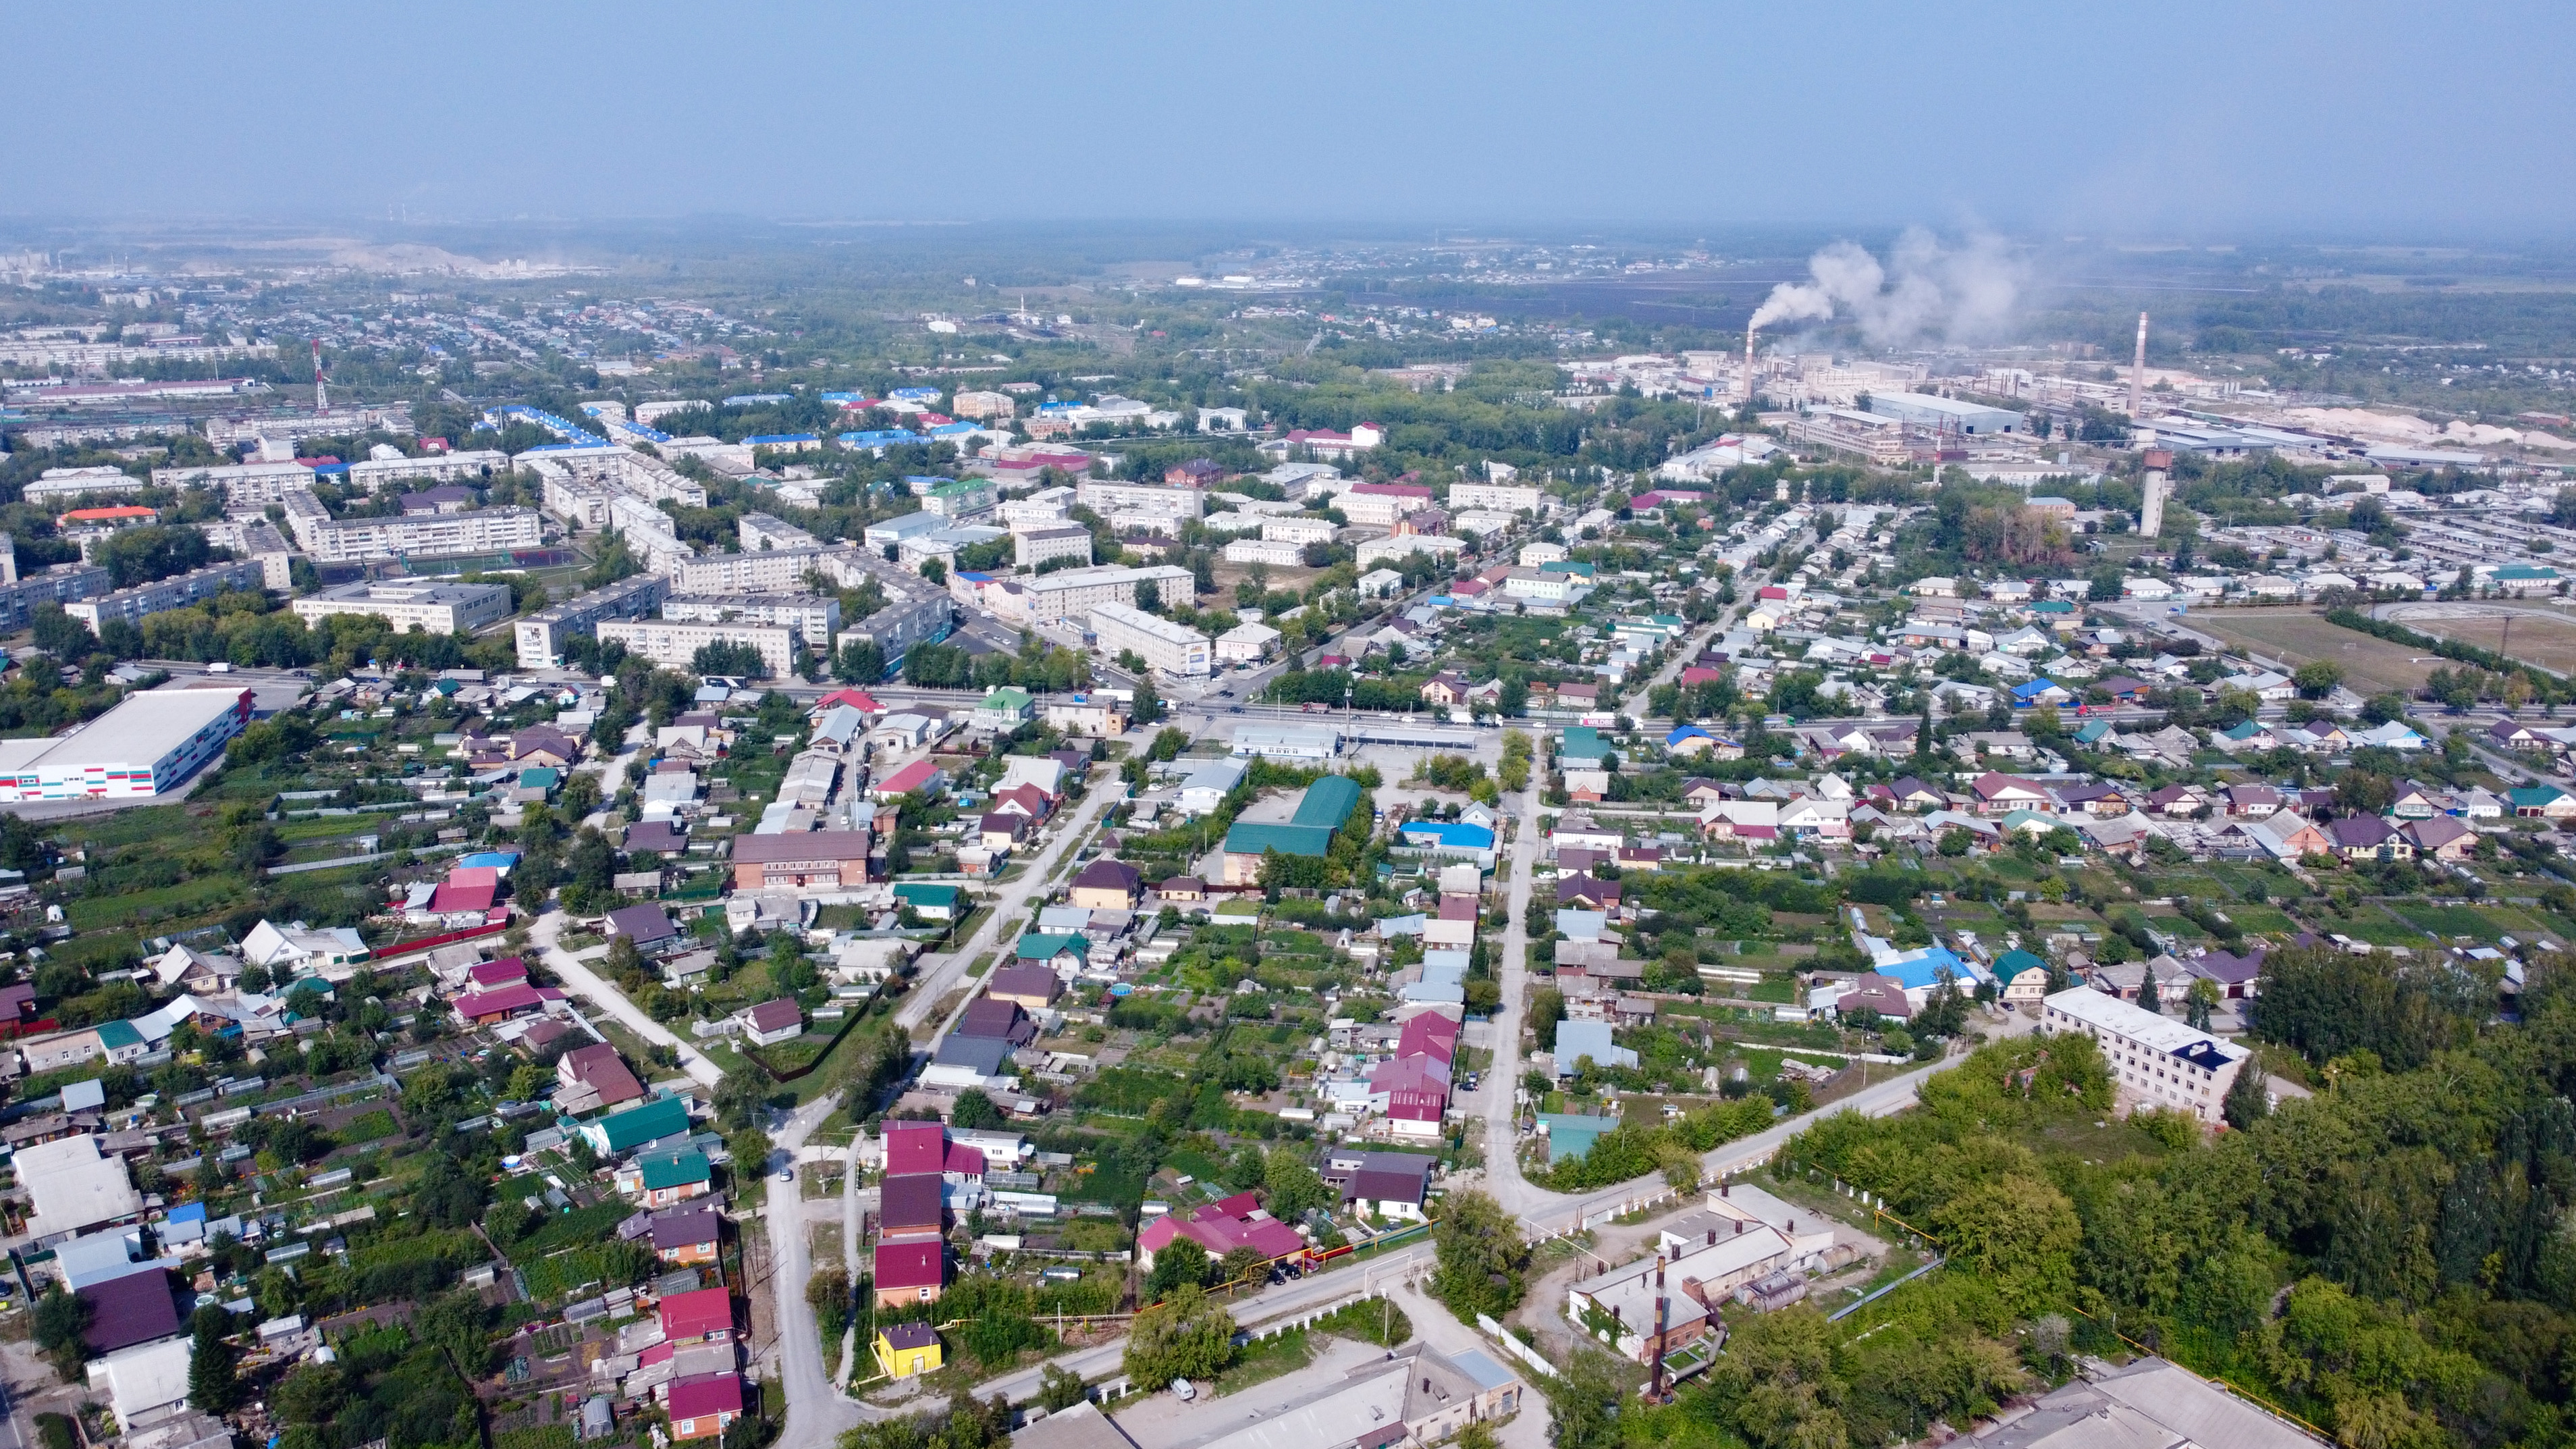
2299, 635
2537, 635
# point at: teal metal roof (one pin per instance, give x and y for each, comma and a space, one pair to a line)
650, 1122
1327, 805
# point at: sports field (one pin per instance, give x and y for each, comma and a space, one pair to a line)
2370, 665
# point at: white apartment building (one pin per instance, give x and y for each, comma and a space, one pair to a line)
2156, 1060
244, 485
814, 617
774, 571
350, 540
60, 485
177, 591
1035, 546
1264, 551
472, 464
1297, 530
1103, 496
1541, 552
1508, 497
1073, 593
761, 533
1549, 588
675, 642
440, 608
1403, 546
1166, 647
541, 635
981, 405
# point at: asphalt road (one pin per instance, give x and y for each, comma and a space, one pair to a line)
817, 1412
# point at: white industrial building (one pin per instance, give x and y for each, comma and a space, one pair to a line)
141, 748
1287, 741
1924, 410
436, 606
1166, 647
675, 642
2156, 1060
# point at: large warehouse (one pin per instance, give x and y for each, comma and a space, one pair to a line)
1925, 410
143, 747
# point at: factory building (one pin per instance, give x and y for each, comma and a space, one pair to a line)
1166, 647
1923, 410
141, 748
541, 635
438, 607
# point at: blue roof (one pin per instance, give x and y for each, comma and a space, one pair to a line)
2037, 687
950, 430
1922, 967
1686, 732
880, 437
1576, 1040
914, 394
1455, 834
495, 859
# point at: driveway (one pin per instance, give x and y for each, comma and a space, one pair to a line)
602, 994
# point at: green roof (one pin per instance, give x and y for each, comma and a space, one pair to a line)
673, 1169
2526, 571
1327, 804
539, 777
2053, 606
1570, 1135
621, 1132
1582, 742
2529, 797
1566, 566
925, 893
1039, 946
115, 1034
1008, 697
2012, 963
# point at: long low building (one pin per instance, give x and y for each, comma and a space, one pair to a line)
796, 859
1072, 593
676, 642
143, 747
437, 606
178, 591
244, 485
1166, 647
458, 467
541, 635
353, 540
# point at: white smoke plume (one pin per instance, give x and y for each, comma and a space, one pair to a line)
1925, 290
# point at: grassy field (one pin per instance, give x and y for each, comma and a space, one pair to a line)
2299, 635
2542, 636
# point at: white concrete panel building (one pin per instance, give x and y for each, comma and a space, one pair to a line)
440, 608
1166, 647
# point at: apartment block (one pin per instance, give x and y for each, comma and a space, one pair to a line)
1166, 647
814, 617
1074, 593
676, 642
541, 635
1507, 497
1102, 496
438, 607
352, 540
1035, 546
472, 465
176, 592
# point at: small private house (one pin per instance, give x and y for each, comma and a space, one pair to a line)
928, 899
906, 1349
2021, 976
772, 1022
641, 1125
662, 1179
701, 1315
701, 1405
910, 1272
1108, 885
684, 1236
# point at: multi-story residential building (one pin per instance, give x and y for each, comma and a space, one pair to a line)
1396, 549
1073, 593
62, 584
473, 464
1166, 647
352, 540
1298, 530
959, 497
773, 571
244, 485
56, 486
982, 405
1507, 497
1103, 496
1265, 551
1381, 504
814, 617
761, 533
439, 607
541, 635
1031, 547
175, 592
676, 642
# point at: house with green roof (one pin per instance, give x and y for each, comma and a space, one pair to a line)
1005, 708
2020, 976
928, 899
619, 1133
1570, 1134
660, 1179
1582, 745
1054, 950
122, 1041
1325, 808
2535, 802
1567, 566
2523, 578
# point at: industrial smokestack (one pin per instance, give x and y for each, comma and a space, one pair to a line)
322, 389
2138, 378
1663, 1320
1748, 364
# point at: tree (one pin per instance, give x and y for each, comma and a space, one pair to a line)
1289, 1188
2317, 678
2018, 1232
2149, 998
61, 1319
861, 661
975, 1111
727, 657
1149, 595
212, 1386
1188, 1336
61, 635
1060, 1388
1482, 1257
1242, 1264
1181, 1263
2247, 1101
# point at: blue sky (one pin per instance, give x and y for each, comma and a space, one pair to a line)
2200, 118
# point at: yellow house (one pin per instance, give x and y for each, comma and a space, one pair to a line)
905, 1349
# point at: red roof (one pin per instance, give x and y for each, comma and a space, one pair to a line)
908, 779
108, 515
912, 1147
1222, 1227
911, 1265
857, 699
964, 1159
700, 1395
476, 1005
489, 974
1429, 1034
467, 888
699, 1314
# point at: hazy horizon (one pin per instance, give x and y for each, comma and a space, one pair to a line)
2195, 122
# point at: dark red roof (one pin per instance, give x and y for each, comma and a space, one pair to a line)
476, 1005
911, 1203
777, 1015
997, 1021
911, 1265
698, 1314
1110, 875
699, 1395
914, 1147
499, 973
126, 1311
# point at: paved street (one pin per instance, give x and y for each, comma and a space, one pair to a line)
817, 1412
603, 995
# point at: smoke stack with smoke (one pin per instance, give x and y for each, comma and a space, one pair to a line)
1924, 291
